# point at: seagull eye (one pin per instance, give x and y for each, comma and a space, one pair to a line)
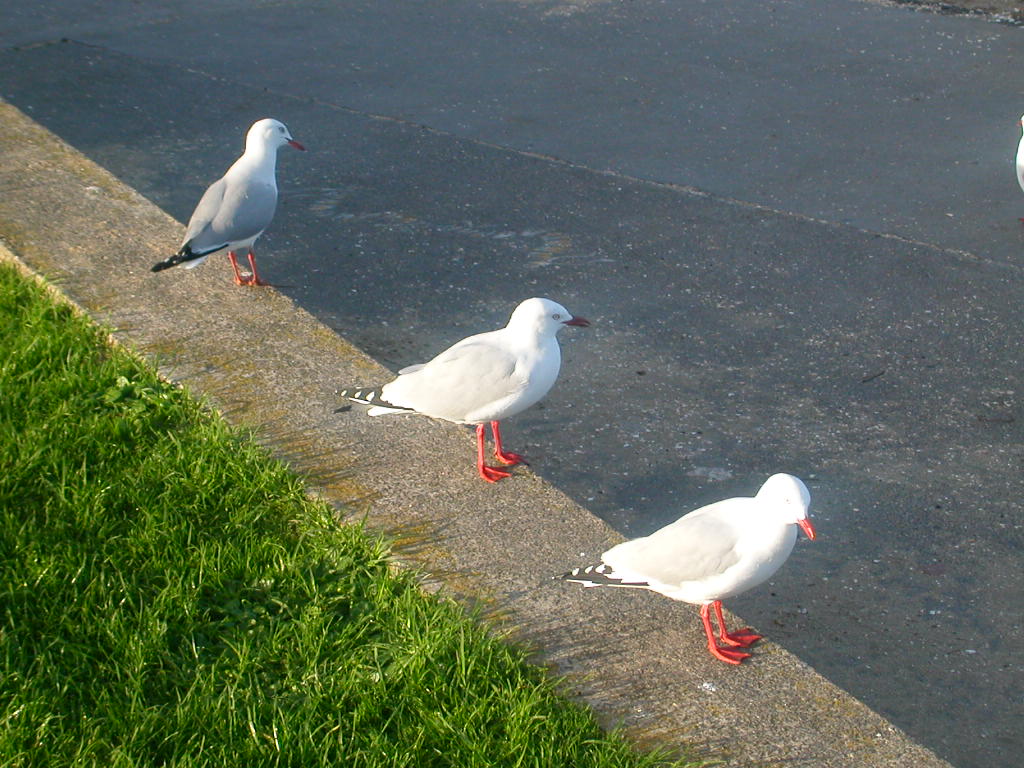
556, 316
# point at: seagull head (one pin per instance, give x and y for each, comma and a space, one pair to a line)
269, 133
790, 500
544, 317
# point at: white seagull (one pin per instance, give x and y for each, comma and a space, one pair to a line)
711, 554
483, 378
1020, 159
236, 208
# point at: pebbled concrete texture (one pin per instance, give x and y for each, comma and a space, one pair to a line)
265, 362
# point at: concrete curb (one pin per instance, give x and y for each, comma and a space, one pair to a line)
638, 659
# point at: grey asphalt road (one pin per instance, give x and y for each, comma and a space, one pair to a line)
794, 225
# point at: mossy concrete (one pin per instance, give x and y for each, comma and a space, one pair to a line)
265, 363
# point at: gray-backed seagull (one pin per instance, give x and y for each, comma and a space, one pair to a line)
236, 208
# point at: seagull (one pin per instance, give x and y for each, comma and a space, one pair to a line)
483, 378
1020, 159
236, 208
710, 554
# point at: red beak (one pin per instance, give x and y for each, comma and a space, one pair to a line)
807, 528
580, 322
296, 144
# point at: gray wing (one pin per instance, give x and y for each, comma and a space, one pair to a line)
230, 212
196, 235
690, 549
462, 379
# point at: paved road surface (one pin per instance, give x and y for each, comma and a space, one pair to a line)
794, 223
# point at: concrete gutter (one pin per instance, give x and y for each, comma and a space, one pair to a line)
637, 658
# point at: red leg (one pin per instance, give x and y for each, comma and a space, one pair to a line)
726, 655
741, 638
255, 279
505, 458
490, 474
239, 280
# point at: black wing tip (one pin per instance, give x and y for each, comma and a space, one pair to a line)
582, 575
365, 395
185, 254
368, 396
600, 576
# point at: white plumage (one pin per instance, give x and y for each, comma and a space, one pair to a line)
483, 378
712, 553
1020, 158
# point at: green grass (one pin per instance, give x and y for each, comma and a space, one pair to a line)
170, 597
